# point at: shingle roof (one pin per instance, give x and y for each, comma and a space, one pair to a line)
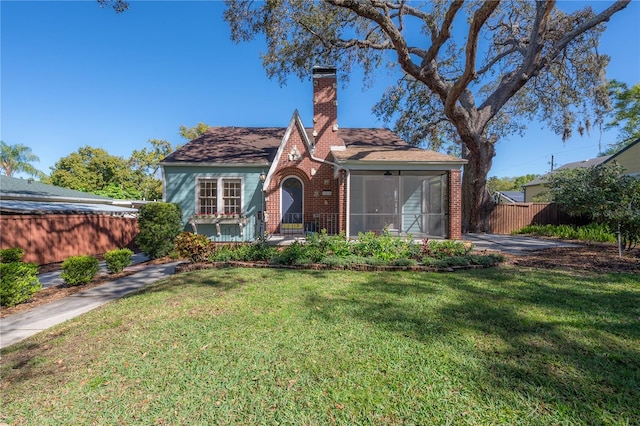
258, 145
576, 164
28, 189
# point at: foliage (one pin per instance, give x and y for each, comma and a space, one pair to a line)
190, 133
505, 64
18, 282
440, 249
94, 170
597, 232
603, 194
495, 183
626, 114
118, 259
17, 159
78, 270
385, 246
159, 225
195, 247
13, 254
145, 164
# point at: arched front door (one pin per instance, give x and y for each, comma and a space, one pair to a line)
292, 198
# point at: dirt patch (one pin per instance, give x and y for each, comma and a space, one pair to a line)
600, 258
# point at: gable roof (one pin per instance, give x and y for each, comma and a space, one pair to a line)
510, 196
569, 166
259, 145
613, 157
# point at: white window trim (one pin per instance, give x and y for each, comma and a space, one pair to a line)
219, 192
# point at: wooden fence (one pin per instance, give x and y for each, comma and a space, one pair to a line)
52, 238
505, 218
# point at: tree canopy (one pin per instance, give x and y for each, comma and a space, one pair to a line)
625, 115
472, 72
18, 159
509, 183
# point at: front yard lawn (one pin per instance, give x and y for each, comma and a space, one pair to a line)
268, 346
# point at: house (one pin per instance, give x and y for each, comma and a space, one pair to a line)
238, 183
537, 188
508, 197
52, 223
628, 158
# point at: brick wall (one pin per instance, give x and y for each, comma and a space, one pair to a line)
455, 205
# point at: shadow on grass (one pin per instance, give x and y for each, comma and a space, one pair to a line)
570, 342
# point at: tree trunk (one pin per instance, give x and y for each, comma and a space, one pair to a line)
476, 201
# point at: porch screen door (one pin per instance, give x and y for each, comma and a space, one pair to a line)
292, 205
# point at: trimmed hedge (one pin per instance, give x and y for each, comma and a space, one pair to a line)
159, 224
78, 270
10, 255
118, 259
18, 282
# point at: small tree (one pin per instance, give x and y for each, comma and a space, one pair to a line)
603, 194
159, 225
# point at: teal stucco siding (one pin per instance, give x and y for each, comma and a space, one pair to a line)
181, 188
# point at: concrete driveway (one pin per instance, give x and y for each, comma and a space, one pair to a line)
512, 244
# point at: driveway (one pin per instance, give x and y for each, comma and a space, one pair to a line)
512, 244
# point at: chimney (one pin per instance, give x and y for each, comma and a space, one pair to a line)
325, 111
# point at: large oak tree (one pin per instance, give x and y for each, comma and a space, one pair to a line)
472, 72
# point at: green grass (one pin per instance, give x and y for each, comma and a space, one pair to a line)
261, 346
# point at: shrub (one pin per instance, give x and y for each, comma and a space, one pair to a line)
592, 232
118, 259
445, 248
78, 270
292, 254
195, 247
385, 246
159, 225
404, 262
18, 282
11, 255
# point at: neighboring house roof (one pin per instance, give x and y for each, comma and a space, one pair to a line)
623, 150
27, 196
510, 196
577, 164
258, 146
28, 189
37, 207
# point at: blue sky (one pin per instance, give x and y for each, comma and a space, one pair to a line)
73, 74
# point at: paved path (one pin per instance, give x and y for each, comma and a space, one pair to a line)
15, 328
512, 244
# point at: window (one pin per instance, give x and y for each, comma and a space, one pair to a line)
231, 195
219, 195
208, 196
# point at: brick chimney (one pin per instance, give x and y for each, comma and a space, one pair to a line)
325, 111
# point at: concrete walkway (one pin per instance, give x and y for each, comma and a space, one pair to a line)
15, 328
512, 244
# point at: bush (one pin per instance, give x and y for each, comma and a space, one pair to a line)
118, 259
78, 270
441, 249
18, 282
293, 254
385, 246
159, 225
195, 247
11, 255
593, 232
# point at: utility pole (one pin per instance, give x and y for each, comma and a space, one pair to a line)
551, 162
